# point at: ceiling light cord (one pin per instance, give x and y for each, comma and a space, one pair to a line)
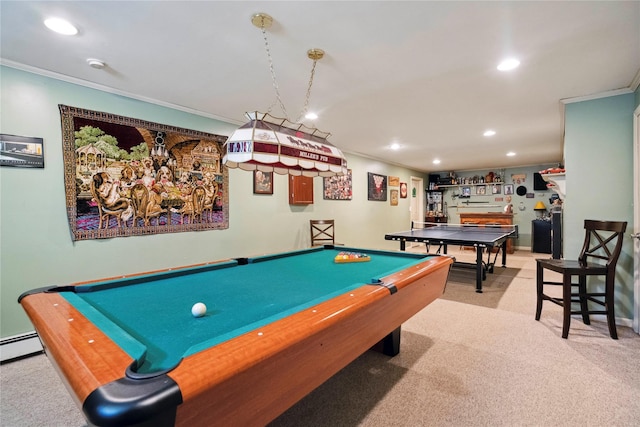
273, 77
264, 21
305, 108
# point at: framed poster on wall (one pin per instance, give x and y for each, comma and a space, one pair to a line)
376, 187
21, 151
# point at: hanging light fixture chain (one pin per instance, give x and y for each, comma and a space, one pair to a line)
273, 76
308, 96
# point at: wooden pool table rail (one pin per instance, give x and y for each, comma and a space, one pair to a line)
253, 378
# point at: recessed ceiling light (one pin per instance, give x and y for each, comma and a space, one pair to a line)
436, 161
395, 146
489, 132
511, 154
96, 63
61, 26
311, 116
508, 64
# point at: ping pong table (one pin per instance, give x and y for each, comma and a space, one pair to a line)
479, 236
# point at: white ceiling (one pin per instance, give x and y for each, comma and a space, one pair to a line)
419, 73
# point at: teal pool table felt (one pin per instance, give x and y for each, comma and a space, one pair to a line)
149, 316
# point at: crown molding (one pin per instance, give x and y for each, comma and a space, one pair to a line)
635, 82
599, 95
80, 82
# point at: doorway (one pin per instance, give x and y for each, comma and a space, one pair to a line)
416, 206
636, 220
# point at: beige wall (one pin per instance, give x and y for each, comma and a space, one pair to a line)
35, 242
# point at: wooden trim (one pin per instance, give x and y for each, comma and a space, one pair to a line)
84, 356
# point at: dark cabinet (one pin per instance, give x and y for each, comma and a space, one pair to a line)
300, 190
541, 236
435, 219
556, 235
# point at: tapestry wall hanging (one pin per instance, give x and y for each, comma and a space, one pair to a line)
129, 177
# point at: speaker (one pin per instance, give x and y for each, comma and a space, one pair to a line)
539, 184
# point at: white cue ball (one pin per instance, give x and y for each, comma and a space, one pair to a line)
198, 309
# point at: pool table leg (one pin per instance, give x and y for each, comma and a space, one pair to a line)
389, 345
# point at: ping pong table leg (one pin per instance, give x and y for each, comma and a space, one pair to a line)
479, 269
402, 245
504, 253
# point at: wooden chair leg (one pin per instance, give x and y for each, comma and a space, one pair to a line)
539, 290
566, 304
582, 293
609, 306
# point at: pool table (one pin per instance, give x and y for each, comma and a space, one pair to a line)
277, 326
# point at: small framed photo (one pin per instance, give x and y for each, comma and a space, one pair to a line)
394, 197
481, 190
262, 182
508, 189
403, 190
21, 151
466, 192
496, 189
394, 181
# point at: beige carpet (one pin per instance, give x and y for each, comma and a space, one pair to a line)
461, 364
463, 280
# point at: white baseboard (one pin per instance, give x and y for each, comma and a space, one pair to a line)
19, 346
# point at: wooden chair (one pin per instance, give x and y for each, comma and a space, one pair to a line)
140, 203
104, 212
199, 196
598, 257
322, 232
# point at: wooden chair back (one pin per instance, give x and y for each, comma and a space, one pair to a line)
603, 242
322, 232
139, 200
199, 197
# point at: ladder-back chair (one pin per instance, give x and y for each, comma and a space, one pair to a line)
322, 232
598, 257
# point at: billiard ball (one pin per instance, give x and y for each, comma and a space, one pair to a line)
198, 309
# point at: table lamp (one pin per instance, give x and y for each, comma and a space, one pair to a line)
540, 207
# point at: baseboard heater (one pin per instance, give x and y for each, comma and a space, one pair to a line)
19, 346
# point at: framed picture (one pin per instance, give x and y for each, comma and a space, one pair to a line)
262, 182
403, 190
394, 197
519, 178
466, 192
394, 181
508, 189
339, 187
21, 151
376, 187
496, 189
481, 190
